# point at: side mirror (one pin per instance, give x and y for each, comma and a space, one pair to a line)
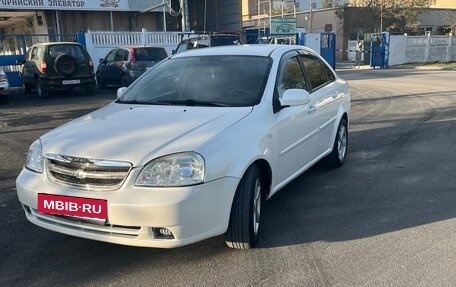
173, 52
295, 97
121, 92
101, 61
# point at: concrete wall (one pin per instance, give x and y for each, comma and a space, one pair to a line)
421, 49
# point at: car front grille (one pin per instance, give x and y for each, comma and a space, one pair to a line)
86, 173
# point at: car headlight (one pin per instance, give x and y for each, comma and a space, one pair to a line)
34, 161
181, 169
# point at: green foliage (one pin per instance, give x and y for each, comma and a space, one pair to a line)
388, 15
327, 4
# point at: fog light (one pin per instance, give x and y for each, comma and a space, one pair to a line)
162, 233
26, 209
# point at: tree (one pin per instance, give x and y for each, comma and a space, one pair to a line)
384, 15
327, 4
288, 8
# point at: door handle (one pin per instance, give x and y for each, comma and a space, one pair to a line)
334, 95
311, 109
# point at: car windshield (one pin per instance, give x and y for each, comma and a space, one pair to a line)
73, 50
150, 54
202, 81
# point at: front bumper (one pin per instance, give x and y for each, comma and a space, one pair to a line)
191, 213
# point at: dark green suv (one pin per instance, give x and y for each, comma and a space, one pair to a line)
57, 66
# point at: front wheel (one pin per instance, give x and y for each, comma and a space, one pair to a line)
88, 89
100, 83
244, 225
124, 81
337, 156
27, 88
4, 98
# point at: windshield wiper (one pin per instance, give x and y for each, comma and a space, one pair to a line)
119, 101
135, 102
192, 102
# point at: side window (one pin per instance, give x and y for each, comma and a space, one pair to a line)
329, 74
183, 46
290, 76
125, 55
202, 43
119, 55
111, 56
30, 53
39, 52
314, 71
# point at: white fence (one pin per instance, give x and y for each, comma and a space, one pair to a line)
99, 43
421, 49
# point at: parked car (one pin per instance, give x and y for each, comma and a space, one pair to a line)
57, 66
4, 87
207, 41
191, 149
122, 66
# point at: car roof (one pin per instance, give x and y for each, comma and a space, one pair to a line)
138, 47
211, 36
247, 50
56, 43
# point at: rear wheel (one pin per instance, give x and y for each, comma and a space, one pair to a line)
337, 156
41, 89
244, 226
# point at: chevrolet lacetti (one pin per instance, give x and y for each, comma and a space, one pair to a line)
191, 149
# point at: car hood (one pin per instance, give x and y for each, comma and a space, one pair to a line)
138, 133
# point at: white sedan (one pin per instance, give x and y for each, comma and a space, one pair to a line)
191, 149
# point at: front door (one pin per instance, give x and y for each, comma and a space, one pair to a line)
298, 125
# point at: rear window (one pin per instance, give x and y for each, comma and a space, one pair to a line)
150, 54
74, 51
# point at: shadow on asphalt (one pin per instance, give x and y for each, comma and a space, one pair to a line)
395, 178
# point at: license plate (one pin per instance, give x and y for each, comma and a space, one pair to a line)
71, 82
73, 206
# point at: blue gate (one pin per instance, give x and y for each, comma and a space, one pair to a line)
328, 48
379, 50
14, 48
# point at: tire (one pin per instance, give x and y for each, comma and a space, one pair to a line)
337, 156
65, 65
88, 89
42, 90
244, 226
27, 88
4, 99
100, 83
124, 81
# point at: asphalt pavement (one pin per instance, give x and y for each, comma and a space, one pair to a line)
386, 218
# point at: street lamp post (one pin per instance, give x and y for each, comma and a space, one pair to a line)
310, 16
